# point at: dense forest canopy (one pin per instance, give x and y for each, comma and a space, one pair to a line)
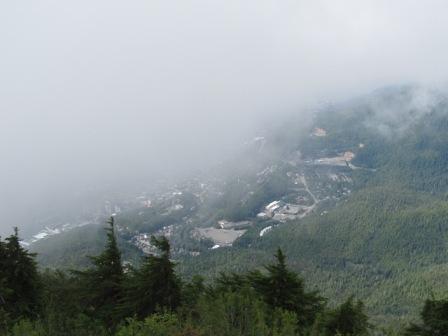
109, 298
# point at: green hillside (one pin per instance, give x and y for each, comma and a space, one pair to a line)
378, 229
387, 242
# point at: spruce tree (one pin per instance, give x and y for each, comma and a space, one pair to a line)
20, 285
434, 319
102, 284
155, 286
348, 319
3, 273
4, 316
284, 289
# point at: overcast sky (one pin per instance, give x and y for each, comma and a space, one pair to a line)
107, 89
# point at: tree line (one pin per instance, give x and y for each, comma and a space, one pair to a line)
112, 298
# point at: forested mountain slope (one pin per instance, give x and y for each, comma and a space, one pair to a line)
357, 199
387, 242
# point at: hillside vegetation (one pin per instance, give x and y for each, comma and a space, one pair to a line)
372, 185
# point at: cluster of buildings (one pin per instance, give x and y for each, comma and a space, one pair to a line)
143, 240
282, 211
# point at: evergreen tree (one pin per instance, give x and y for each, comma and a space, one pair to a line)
284, 289
3, 273
102, 284
20, 285
4, 291
348, 319
434, 317
154, 286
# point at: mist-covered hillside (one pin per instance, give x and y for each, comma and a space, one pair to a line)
357, 198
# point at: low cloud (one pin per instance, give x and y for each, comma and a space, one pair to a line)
104, 91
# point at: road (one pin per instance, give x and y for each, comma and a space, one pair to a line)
315, 199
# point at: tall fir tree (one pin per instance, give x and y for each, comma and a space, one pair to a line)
102, 284
3, 273
284, 289
4, 316
155, 286
20, 284
349, 319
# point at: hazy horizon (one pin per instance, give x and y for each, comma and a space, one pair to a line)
97, 93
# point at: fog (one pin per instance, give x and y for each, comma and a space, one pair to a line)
113, 92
